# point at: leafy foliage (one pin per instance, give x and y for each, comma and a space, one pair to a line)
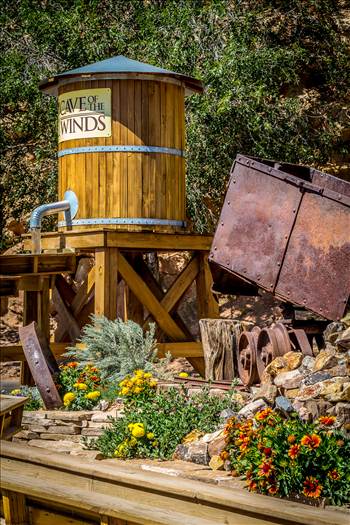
290, 457
276, 76
116, 348
79, 386
154, 423
34, 401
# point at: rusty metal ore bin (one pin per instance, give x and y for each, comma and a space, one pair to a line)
286, 229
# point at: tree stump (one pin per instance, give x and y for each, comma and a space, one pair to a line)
219, 340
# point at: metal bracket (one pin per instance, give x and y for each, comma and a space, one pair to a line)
121, 149
121, 221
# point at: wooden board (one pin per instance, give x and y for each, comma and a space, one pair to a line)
123, 491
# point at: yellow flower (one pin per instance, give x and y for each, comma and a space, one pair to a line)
150, 435
153, 383
130, 426
68, 398
15, 392
183, 374
154, 443
124, 391
147, 375
80, 386
93, 395
120, 450
132, 442
138, 430
138, 373
137, 389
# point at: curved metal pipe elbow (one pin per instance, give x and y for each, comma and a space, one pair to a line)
69, 206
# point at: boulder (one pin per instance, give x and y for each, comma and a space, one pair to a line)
308, 363
217, 446
343, 340
293, 359
208, 438
315, 377
252, 408
341, 411
339, 394
284, 405
332, 331
196, 452
309, 392
227, 413
266, 392
216, 463
325, 359
194, 435
292, 393
276, 366
291, 379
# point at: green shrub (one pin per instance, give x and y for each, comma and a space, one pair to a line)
116, 348
79, 386
154, 423
34, 398
289, 458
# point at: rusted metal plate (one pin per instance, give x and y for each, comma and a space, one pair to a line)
255, 223
42, 363
316, 268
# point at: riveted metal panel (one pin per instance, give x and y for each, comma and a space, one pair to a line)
316, 268
255, 223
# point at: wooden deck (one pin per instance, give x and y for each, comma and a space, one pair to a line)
43, 488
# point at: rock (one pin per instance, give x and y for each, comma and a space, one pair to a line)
339, 394
217, 392
325, 359
38, 428
94, 424
341, 411
103, 417
309, 392
332, 331
315, 377
292, 393
227, 413
102, 405
196, 452
63, 429
91, 431
276, 366
341, 370
58, 446
252, 408
284, 405
60, 437
308, 362
343, 340
291, 379
208, 438
26, 434
311, 410
266, 392
64, 415
217, 446
266, 378
332, 387
194, 435
293, 359
346, 319
216, 463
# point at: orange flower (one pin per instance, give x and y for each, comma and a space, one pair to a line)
224, 455
311, 442
312, 488
291, 439
340, 443
266, 469
72, 364
263, 414
327, 420
252, 485
267, 451
293, 452
273, 489
333, 474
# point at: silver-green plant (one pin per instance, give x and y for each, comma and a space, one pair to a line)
116, 347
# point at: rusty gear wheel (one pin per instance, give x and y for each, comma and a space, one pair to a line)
272, 342
247, 366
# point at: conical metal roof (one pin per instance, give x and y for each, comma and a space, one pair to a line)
114, 66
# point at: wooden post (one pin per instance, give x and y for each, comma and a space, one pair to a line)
106, 274
36, 307
207, 306
134, 308
14, 508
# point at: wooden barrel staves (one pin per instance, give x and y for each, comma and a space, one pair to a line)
121, 144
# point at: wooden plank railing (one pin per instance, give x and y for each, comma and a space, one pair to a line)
54, 489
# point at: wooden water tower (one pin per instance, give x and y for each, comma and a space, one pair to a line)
121, 129
121, 151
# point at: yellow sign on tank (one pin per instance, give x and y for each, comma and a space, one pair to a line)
84, 114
